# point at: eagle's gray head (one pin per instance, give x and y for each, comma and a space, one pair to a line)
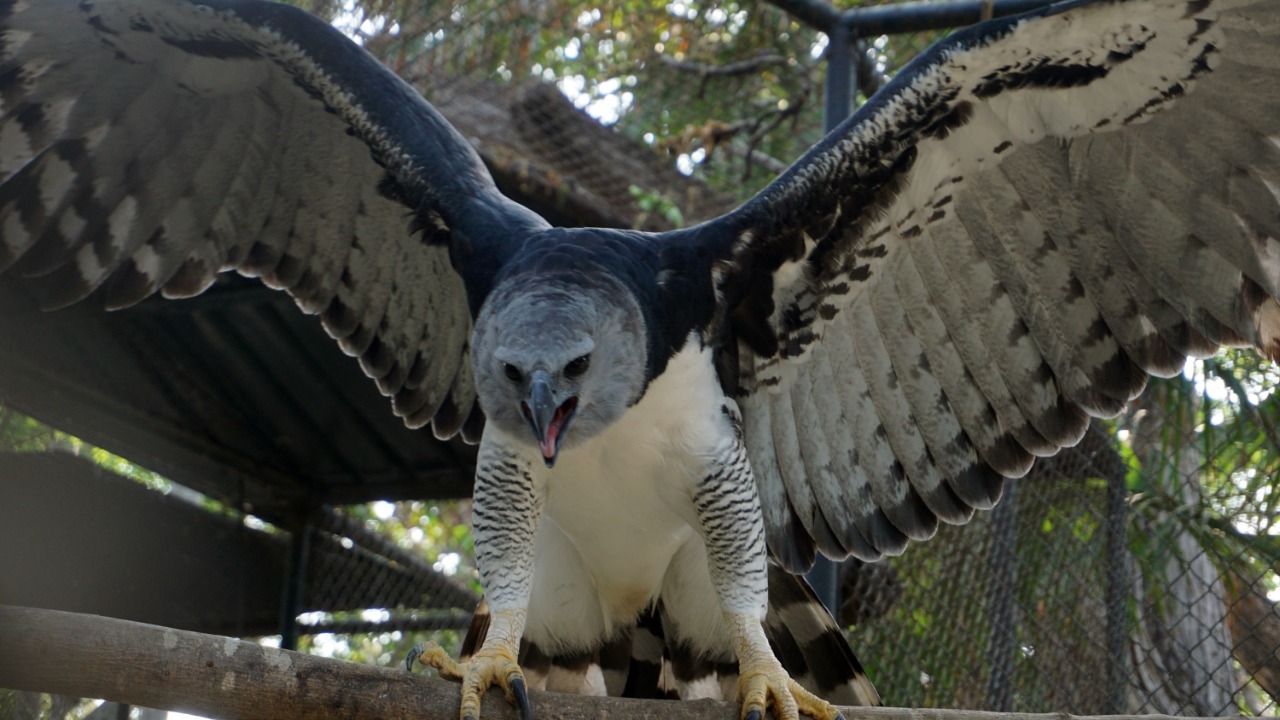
557, 363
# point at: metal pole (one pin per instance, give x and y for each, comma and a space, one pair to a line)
1117, 593
837, 101
1003, 591
838, 95
294, 582
898, 18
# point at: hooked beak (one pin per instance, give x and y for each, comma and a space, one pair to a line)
547, 420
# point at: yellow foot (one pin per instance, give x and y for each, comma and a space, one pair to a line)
767, 683
487, 667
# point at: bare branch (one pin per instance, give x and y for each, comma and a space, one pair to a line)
220, 677
733, 69
756, 157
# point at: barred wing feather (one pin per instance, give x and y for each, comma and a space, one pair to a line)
1028, 221
147, 146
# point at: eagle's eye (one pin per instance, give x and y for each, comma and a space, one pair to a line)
513, 372
577, 366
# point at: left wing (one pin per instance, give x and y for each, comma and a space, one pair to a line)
1005, 241
147, 145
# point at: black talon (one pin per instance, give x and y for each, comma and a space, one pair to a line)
414, 653
522, 698
755, 714
839, 715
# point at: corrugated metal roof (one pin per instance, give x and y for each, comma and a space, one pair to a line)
234, 391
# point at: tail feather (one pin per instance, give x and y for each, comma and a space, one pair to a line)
650, 674
643, 662
811, 646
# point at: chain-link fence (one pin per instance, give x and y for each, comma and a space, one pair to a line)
1135, 573
1102, 584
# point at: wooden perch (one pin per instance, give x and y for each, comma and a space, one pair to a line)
221, 677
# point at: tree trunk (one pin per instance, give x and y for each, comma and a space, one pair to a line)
1181, 648
1255, 626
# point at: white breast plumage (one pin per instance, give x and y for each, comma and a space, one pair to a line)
626, 493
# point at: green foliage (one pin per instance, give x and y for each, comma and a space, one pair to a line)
21, 433
653, 202
704, 82
1215, 471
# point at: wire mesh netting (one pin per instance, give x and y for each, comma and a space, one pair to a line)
356, 568
1135, 573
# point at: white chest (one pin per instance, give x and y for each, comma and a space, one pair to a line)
623, 499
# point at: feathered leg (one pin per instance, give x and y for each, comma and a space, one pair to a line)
508, 504
732, 526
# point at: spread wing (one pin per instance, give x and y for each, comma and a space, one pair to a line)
149, 144
1030, 219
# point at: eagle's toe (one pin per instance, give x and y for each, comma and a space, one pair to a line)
766, 684
432, 655
493, 666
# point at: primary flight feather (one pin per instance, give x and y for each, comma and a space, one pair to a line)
1028, 220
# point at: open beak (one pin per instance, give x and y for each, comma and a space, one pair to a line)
548, 420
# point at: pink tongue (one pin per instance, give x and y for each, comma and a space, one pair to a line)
549, 445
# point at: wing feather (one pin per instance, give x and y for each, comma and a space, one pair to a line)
1043, 293
975, 383
900, 498
831, 458
783, 532
871, 444
1119, 346
1157, 241
998, 454
147, 145
792, 470
1032, 217
1003, 333
948, 490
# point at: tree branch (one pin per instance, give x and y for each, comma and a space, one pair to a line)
219, 677
733, 69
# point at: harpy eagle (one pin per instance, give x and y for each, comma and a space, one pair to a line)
1028, 220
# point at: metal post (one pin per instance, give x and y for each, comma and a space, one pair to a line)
837, 100
838, 96
897, 18
1117, 593
294, 582
1003, 591
242, 542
